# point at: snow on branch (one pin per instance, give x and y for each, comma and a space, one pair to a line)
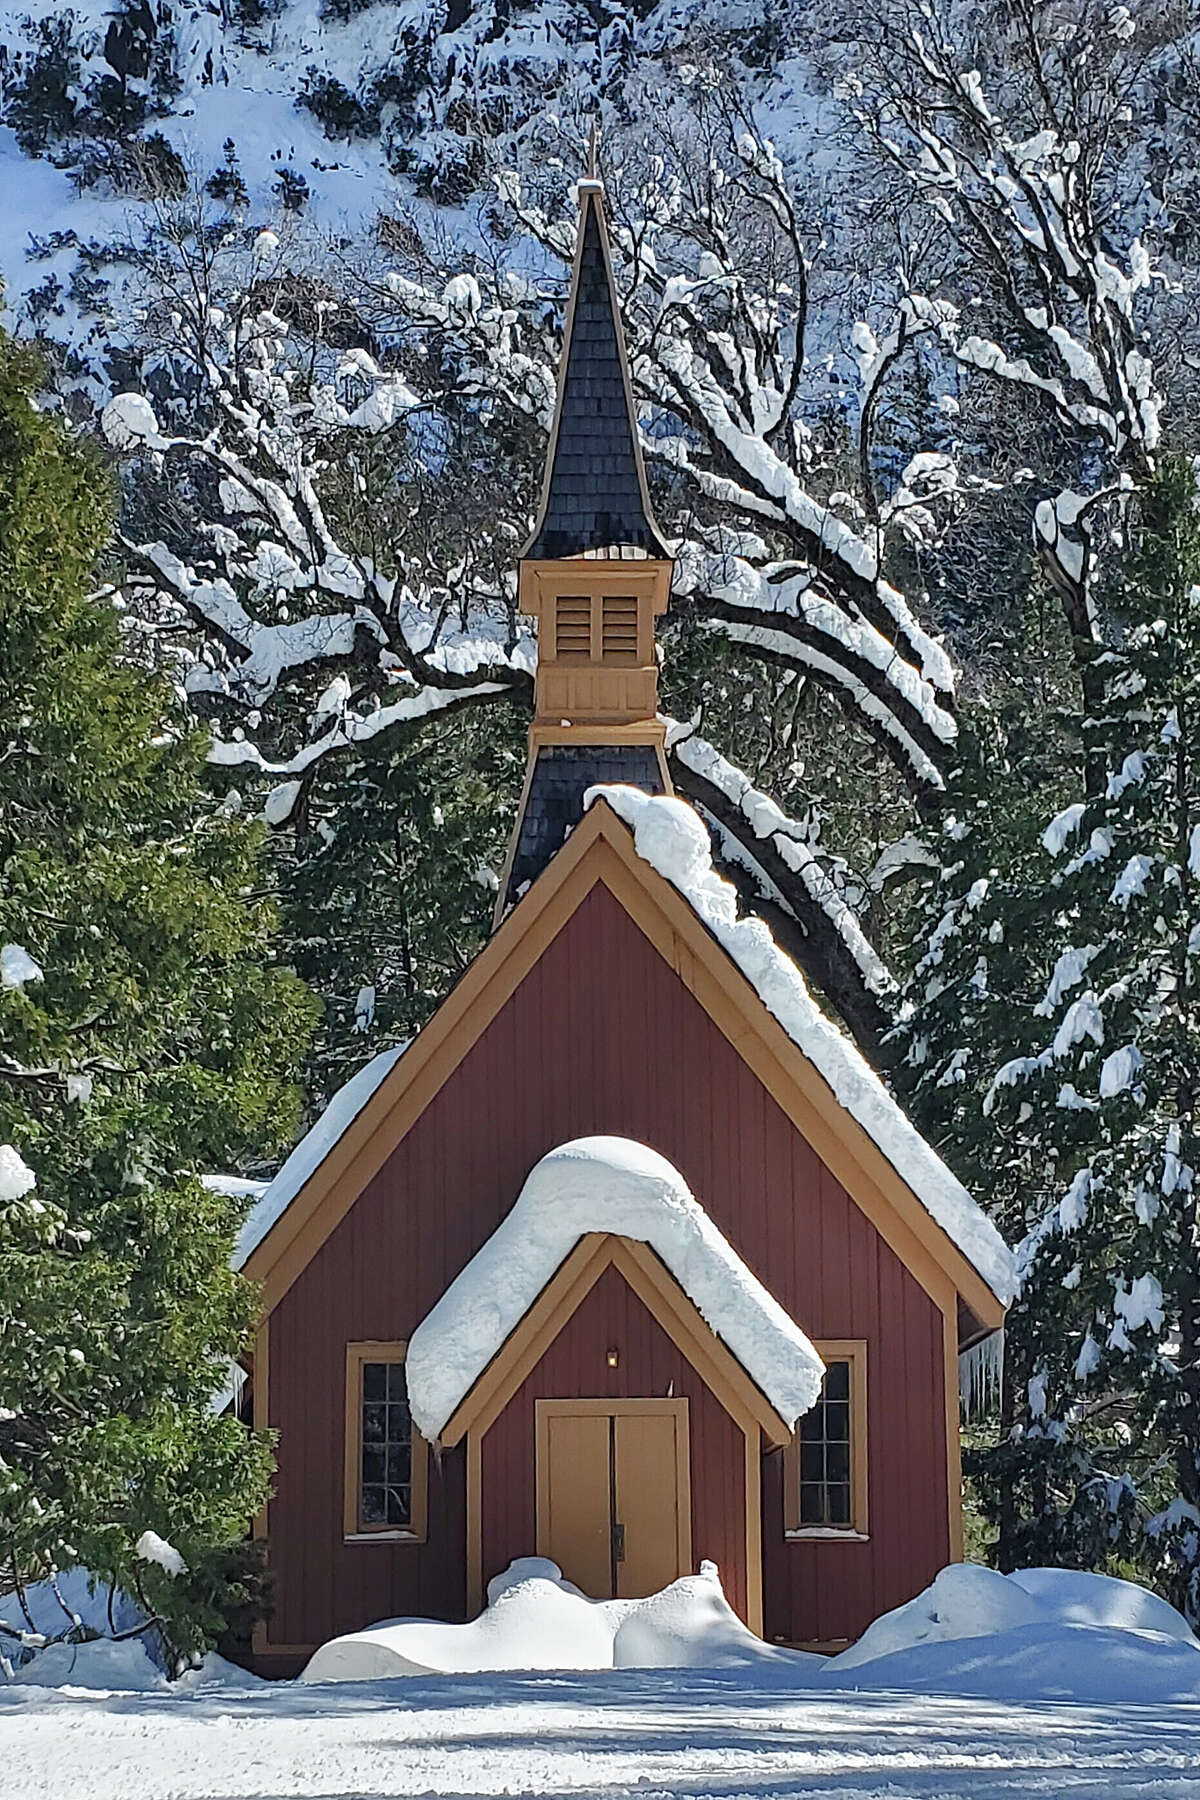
349, 732
771, 826
275, 596
783, 613
1019, 179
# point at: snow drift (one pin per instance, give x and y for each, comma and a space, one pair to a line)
1090, 1665
536, 1620
968, 1601
1040, 1634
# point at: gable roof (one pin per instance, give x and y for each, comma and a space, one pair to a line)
672, 838
858, 1150
273, 1199
594, 496
616, 1186
666, 1302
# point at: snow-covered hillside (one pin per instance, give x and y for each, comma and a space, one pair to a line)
338, 109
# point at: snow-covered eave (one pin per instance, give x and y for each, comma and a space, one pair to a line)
669, 835
611, 1186
311, 1152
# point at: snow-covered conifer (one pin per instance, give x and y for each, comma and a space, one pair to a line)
1071, 1088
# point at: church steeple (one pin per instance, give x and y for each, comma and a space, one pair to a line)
594, 497
595, 574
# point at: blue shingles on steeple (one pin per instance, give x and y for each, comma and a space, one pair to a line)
595, 494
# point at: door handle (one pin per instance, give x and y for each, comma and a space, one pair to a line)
618, 1543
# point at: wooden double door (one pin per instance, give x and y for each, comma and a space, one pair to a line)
614, 1493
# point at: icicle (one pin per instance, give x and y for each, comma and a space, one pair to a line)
979, 1371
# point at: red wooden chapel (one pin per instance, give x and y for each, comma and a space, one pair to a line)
591, 1390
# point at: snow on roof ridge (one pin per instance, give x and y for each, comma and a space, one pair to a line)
311, 1152
614, 1185
672, 838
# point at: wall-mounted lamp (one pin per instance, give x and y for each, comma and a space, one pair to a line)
612, 1357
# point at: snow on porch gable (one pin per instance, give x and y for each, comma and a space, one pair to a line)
615, 1186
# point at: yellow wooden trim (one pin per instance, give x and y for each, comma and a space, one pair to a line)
802, 1092
853, 1351
667, 1303
628, 1404
385, 1350
261, 1404
524, 1348
712, 1359
474, 1524
601, 848
542, 585
754, 1548
261, 1401
408, 1089
640, 731
683, 1486
714, 1363
953, 1439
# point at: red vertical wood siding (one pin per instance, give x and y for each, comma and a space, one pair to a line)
601, 1036
651, 1367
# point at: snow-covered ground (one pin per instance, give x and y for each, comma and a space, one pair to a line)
718, 1735
985, 1685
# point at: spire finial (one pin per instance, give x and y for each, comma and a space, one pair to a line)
594, 497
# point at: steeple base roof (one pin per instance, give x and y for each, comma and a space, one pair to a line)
559, 777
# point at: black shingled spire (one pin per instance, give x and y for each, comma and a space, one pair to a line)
595, 493
594, 499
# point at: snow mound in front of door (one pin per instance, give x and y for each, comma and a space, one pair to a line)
603, 1184
535, 1620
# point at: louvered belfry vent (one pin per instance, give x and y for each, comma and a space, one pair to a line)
619, 633
573, 627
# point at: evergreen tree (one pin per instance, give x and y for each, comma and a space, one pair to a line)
145, 1036
1055, 1042
388, 881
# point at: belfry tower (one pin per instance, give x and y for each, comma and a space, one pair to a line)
595, 574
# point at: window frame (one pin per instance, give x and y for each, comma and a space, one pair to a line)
856, 1531
381, 1350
